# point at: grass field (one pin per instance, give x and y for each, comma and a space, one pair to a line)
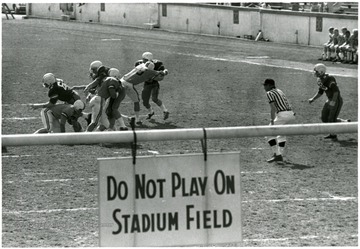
49, 193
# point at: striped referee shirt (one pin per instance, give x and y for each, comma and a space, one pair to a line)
278, 97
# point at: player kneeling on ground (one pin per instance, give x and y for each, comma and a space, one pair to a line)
55, 117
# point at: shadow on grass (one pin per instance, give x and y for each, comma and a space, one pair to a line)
347, 143
293, 165
120, 145
166, 125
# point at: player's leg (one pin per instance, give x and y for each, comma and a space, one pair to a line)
283, 118
96, 104
155, 98
55, 127
134, 96
326, 118
45, 115
116, 110
145, 96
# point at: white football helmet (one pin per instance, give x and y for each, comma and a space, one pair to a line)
150, 65
113, 72
79, 105
148, 56
48, 79
319, 70
94, 67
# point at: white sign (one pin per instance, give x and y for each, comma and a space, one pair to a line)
170, 200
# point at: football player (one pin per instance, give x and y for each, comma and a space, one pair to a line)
152, 87
55, 117
141, 73
58, 90
110, 89
332, 107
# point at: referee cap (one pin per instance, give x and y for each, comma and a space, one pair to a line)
269, 82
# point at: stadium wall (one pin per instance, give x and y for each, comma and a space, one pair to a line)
282, 26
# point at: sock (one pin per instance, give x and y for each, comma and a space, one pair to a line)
137, 116
274, 146
121, 122
281, 147
163, 108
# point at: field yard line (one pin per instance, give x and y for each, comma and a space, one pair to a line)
295, 238
338, 198
54, 180
143, 116
307, 67
49, 211
90, 209
94, 178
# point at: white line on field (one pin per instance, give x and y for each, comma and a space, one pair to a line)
142, 116
91, 178
111, 39
49, 210
53, 180
276, 63
90, 209
334, 198
295, 238
22, 118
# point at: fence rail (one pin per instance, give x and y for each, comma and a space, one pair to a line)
175, 134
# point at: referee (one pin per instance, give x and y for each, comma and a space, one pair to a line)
281, 113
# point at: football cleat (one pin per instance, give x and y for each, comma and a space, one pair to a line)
123, 129
331, 136
149, 116
275, 158
166, 115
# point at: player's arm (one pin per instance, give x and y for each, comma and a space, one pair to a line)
272, 112
81, 87
92, 85
335, 96
48, 104
316, 96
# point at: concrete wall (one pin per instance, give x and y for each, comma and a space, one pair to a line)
49, 10
277, 26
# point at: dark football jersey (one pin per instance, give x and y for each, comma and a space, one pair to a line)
60, 91
328, 85
65, 110
106, 84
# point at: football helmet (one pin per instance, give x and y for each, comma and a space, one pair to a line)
79, 105
150, 65
94, 66
148, 56
48, 79
319, 70
113, 72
